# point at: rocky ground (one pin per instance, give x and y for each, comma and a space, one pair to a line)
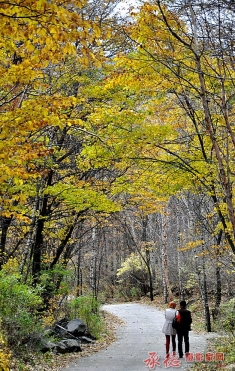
55, 362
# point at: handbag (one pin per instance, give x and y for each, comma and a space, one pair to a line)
176, 321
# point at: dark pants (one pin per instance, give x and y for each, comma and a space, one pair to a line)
183, 335
168, 339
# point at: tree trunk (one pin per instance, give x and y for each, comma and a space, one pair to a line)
200, 269
38, 243
218, 293
93, 263
147, 256
30, 238
79, 272
206, 302
166, 284
5, 224
178, 213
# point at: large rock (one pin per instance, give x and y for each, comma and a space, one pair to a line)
86, 340
46, 346
37, 342
72, 333
59, 327
68, 346
76, 327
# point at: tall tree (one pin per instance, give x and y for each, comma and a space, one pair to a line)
48, 55
187, 56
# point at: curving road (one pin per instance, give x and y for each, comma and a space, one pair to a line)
140, 335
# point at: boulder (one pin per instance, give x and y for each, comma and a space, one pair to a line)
37, 341
72, 333
76, 327
67, 346
86, 340
46, 346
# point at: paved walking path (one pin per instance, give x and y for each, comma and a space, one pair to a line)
140, 335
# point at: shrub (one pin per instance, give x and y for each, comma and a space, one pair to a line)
18, 304
87, 309
226, 319
4, 361
135, 292
4, 355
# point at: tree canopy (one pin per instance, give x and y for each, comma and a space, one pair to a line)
101, 114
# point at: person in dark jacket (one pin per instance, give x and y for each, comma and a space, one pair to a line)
185, 319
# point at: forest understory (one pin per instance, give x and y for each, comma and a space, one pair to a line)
55, 362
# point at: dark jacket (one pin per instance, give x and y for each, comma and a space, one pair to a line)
185, 320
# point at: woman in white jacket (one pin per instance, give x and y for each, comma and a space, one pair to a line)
167, 329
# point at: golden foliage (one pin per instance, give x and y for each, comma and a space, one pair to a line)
5, 355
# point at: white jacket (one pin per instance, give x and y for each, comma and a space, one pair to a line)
167, 327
